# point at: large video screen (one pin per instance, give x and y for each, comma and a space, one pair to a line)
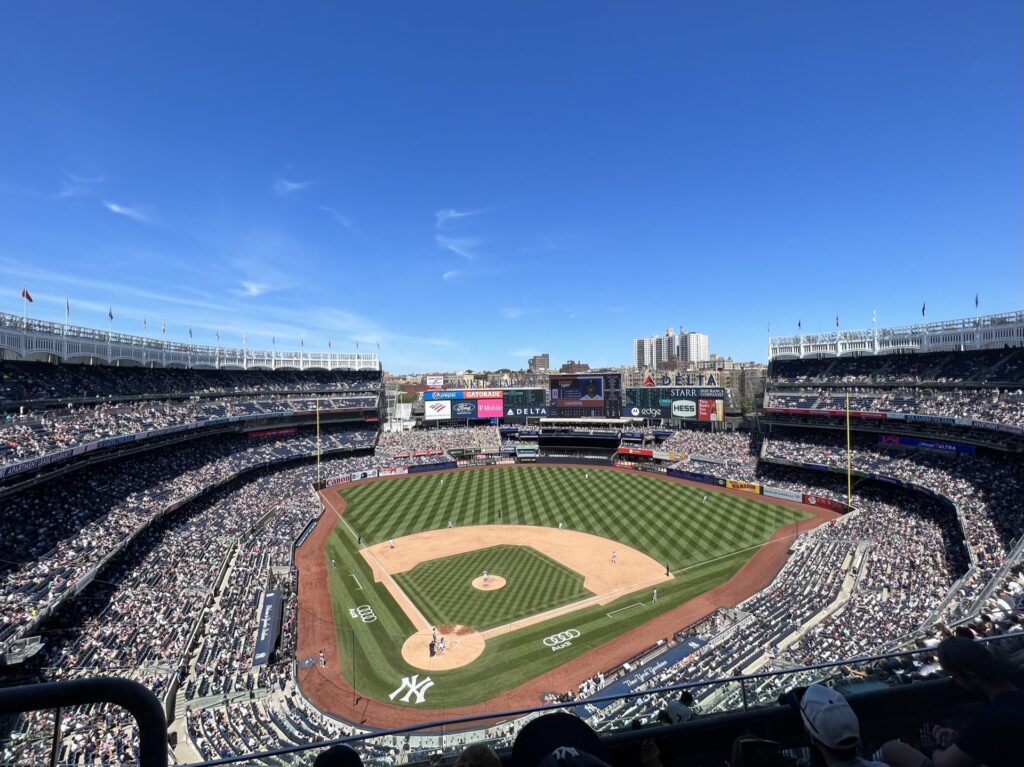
586, 395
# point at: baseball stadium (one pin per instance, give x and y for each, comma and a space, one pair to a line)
265, 554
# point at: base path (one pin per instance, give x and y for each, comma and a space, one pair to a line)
333, 694
586, 554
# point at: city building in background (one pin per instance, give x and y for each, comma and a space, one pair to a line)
667, 351
572, 366
539, 362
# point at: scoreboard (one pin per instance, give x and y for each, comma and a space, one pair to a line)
687, 403
521, 404
587, 395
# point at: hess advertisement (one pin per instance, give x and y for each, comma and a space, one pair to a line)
686, 403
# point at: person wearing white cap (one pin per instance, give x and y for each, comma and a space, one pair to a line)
832, 727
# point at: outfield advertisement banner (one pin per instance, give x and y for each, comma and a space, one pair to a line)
368, 474
825, 503
432, 396
344, 479
437, 411
393, 471
661, 455
746, 487
464, 409
425, 467
785, 495
636, 451
710, 410
887, 440
687, 403
489, 408
694, 476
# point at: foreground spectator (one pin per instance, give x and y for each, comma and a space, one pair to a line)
558, 740
832, 727
991, 736
478, 755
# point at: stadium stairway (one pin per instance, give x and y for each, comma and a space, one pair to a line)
845, 592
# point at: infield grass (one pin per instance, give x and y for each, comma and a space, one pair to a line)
443, 590
704, 543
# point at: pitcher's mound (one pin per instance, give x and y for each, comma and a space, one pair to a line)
494, 582
460, 649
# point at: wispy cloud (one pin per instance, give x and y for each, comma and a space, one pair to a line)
123, 210
450, 214
73, 185
252, 288
450, 274
342, 219
460, 246
283, 186
512, 312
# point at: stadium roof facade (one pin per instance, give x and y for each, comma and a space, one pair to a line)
992, 331
29, 339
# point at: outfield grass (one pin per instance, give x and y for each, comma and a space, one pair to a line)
442, 588
704, 544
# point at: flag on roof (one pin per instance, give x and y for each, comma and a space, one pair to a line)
27, 296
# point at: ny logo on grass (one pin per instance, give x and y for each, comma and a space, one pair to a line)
415, 686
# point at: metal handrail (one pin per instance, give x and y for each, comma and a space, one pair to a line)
129, 695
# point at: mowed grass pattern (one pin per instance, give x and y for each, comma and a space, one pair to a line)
704, 543
669, 521
442, 588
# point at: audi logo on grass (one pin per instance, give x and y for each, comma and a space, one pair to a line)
561, 640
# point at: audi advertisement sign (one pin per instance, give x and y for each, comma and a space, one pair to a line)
561, 640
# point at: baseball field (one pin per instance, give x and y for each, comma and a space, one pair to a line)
575, 558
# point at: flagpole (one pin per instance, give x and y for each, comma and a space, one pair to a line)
849, 457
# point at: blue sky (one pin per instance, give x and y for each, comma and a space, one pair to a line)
468, 183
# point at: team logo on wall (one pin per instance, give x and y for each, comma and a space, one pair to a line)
561, 640
412, 686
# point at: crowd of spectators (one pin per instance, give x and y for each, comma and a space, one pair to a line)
22, 382
433, 445
54, 534
140, 619
28, 436
733, 448
985, 488
990, 405
996, 366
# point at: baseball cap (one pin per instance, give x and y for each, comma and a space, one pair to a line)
338, 756
678, 712
558, 740
829, 718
